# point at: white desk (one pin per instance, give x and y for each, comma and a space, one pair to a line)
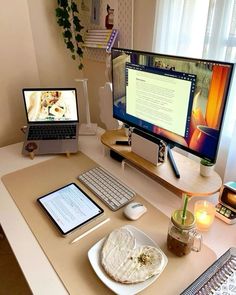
38, 272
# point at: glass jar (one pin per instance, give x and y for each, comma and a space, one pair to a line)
182, 235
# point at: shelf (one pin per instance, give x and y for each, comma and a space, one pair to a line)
190, 181
104, 39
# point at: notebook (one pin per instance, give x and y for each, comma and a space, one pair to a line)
52, 121
218, 279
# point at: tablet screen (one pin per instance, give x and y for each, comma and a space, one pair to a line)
69, 207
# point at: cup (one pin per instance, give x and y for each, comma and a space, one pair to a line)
182, 235
206, 171
204, 213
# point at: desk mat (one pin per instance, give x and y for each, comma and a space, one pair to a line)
70, 261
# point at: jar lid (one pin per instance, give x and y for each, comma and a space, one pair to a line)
178, 221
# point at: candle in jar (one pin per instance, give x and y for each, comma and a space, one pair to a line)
204, 212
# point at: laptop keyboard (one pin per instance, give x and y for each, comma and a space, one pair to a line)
108, 188
46, 132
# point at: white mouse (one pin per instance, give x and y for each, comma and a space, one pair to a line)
134, 210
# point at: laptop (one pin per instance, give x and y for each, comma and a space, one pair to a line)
53, 121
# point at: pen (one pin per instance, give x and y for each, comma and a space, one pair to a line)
90, 230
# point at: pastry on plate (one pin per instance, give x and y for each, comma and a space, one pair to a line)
126, 263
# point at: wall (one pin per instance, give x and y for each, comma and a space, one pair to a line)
32, 53
55, 65
144, 13
18, 68
144, 16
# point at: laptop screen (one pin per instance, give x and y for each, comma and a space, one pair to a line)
51, 105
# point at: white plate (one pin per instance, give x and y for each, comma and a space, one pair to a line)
119, 288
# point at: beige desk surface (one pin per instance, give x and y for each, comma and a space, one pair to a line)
71, 261
43, 279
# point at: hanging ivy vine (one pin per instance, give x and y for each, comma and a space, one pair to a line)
67, 15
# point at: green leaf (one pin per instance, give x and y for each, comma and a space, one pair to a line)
74, 7
60, 22
65, 14
78, 38
77, 24
59, 12
70, 46
79, 51
68, 20
63, 3
67, 34
67, 24
206, 162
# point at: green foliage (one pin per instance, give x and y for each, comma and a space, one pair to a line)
68, 20
206, 162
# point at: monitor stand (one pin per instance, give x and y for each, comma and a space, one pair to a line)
147, 149
150, 151
190, 183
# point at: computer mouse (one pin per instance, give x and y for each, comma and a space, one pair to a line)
134, 210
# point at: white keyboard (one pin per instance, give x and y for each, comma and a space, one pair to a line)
108, 188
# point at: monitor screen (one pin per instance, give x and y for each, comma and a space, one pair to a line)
177, 99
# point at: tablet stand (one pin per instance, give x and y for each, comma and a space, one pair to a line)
147, 149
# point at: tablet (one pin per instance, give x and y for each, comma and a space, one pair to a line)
69, 207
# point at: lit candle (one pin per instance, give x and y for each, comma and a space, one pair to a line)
204, 212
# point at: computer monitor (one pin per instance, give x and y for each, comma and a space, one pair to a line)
176, 99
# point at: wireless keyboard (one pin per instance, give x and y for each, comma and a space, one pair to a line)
108, 188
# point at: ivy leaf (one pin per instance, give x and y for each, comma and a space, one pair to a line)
77, 24
67, 34
63, 3
78, 38
74, 7
71, 26
59, 12
66, 24
70, 46
79, 51
64, 14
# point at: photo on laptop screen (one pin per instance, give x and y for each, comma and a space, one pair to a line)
53, 121
50, 105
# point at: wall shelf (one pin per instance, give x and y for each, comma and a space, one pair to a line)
104, 39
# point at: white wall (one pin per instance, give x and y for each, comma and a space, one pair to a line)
32, 54
144, 16
18, 67
55, 65
144, 13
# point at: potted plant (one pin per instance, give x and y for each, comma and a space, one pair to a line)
68, 19
206, 167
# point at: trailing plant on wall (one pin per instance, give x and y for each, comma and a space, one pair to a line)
67, 15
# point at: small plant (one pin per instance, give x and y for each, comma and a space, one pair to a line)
206, 162
67, 18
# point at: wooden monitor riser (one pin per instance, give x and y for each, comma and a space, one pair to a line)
190, 181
